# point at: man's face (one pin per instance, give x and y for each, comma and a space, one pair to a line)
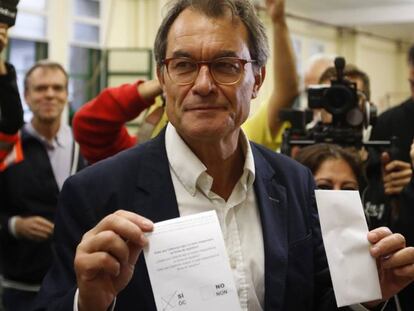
206, 110
46, 94
411, 79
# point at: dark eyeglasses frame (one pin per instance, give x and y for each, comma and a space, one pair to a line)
242, 61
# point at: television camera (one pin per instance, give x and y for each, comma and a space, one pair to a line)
350, 113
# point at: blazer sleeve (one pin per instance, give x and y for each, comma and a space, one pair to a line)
72, 220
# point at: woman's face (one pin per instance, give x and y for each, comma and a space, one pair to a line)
335, 174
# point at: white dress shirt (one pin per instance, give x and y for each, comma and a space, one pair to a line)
238, 216
59, 150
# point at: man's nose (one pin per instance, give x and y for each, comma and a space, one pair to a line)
204, 82
50, 92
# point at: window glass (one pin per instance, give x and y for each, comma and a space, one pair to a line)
316, 48
87, 8
84, 82
22, 56
30, 25
86, 33
33, 4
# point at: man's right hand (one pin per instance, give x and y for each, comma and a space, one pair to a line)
3, 36
4, 39
105, 258
33, 228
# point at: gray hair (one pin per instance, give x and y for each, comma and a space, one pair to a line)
242, 9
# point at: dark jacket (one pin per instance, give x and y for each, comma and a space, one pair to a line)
139, 180
396, 211
26, 189
11, 116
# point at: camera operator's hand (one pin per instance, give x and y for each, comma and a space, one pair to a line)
276, 9
3, 36
4, 39
396, 174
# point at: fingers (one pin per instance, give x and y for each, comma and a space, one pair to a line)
107, 253
397, 174
88, 265
402, 262
34, 228
115, 242
385, 158
377, 234
3, 38
385, 243
397, 165
128, 225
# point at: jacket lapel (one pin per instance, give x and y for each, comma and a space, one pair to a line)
271, 198
156, 196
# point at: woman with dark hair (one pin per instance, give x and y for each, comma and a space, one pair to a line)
332, 166
336, 168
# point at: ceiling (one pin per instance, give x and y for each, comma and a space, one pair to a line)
387, 18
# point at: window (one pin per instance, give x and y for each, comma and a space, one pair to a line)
85, 55
85, 75
27, 41
31, 21
24, 54
86, 22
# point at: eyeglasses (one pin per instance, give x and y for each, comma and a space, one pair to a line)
224, 70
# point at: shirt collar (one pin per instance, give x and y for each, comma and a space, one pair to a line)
190, 170
62, 138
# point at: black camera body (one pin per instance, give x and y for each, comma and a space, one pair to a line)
8, 12
350, 115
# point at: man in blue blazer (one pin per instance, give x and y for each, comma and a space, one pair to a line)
211, 59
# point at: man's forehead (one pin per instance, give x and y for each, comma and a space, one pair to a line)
226, 30
47, 73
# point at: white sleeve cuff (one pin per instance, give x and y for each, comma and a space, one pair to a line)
12, 226
75, 302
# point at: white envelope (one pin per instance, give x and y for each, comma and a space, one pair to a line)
344, 232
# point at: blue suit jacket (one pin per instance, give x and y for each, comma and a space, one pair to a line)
139, 180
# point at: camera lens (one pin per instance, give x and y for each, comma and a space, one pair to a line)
338, 99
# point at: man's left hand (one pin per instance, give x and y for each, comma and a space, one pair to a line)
395, 261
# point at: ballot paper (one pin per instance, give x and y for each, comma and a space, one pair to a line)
188, 265
344, 232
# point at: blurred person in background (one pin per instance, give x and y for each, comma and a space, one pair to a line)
395, 197
11, 111
337, 168
29, 190
333, 167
